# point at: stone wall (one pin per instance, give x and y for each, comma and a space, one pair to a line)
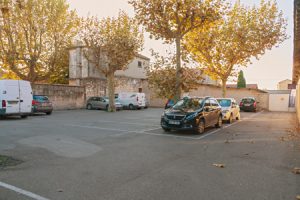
62, 96
215, 91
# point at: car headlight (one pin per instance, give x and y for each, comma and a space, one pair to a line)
191, 117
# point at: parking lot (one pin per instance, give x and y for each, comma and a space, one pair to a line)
91, 154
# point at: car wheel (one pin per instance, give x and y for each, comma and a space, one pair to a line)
131, 107
166, 129
89, 107
219, 123
24, 116
48, 113
201, 127
238, 117
230, 119
106, 108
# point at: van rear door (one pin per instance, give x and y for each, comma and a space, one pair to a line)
11, 96
25, 97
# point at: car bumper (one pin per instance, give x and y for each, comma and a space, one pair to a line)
226, 116
181, 127
250, 108
42, 109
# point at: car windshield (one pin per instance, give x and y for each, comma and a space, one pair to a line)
189, 104
224, 102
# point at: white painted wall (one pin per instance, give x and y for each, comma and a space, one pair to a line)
279, 102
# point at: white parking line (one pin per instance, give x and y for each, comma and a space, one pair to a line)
23, 192
129, 123
148, 131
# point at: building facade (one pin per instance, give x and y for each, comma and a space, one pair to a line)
284, 85
84, 73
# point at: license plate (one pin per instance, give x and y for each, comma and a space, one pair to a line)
247, 104
174, 122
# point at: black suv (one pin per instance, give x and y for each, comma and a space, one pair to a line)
192, 114
248, 104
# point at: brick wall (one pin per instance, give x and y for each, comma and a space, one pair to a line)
62, 96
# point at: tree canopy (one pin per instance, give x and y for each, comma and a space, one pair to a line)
241, 83
171, 20
111, 44
162, 76
34, 38
243, 33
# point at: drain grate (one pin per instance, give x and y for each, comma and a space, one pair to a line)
7, 161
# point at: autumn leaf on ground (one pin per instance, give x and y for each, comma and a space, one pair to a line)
298, 197
296, 170
219, 165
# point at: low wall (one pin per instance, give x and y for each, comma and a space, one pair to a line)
62, 96
214, 91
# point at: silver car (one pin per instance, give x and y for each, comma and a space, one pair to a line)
101, 103
230, 109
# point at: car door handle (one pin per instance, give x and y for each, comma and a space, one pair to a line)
21, 101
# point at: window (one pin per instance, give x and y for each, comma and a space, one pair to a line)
140, 64
214, 103
207, 103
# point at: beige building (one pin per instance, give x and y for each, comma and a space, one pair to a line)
284, 85
84, 73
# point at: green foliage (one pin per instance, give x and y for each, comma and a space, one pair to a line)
241, 80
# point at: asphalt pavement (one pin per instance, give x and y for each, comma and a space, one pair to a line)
95, 155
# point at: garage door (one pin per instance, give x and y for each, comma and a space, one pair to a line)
279, 102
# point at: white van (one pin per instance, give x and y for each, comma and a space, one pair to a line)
15, 98
132, 100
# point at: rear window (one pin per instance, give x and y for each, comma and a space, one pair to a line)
248, 100
40, 98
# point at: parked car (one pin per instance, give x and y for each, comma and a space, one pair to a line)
230, 109
132, 100
170, 103
192, 114
101, 103
15, 98
41, 104
248, 104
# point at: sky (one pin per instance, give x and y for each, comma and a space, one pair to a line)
274, 66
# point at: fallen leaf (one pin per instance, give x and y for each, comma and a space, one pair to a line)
219, 165
296, 170
298, 197
227, 141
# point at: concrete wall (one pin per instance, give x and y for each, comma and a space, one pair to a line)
62, 96
279, 102
214, 91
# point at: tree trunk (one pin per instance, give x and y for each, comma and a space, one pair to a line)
178, 70
111, 92
224, 88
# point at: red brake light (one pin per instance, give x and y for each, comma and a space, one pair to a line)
254, 104
241, 104
3, 104
34, 102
